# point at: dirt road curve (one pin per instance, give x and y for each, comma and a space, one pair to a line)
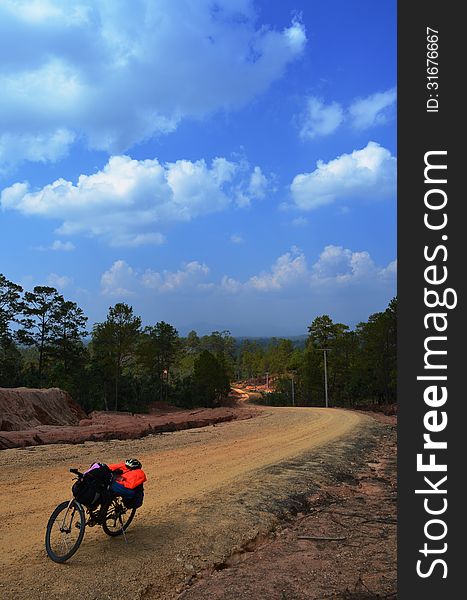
209, 491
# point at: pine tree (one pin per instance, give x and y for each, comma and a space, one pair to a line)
114, 343
40, 308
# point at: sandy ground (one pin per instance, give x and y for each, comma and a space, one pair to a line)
210, 491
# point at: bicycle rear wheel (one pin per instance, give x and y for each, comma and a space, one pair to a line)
65, 531
117, 518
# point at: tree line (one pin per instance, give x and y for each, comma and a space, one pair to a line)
122, 365
361, 364
117, 365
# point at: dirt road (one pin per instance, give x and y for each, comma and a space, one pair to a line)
210, 491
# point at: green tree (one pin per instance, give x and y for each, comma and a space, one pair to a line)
222, 345
218, 342
10, 356
158, 349
114, 344
11, 363
377, 363
39, 309
251, 359
210, 379
277, 355
189, 348
310, 380
66, 345
323, 332
10, 304
361, 363
192, 343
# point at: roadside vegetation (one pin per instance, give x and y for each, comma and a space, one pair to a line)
360, 363
122, 365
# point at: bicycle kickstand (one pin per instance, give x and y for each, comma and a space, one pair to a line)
123, 531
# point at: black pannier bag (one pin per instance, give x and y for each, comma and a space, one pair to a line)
92, 488
137, 499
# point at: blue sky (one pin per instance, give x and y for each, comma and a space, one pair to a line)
226, 164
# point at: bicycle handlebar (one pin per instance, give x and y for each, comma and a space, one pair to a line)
76, 472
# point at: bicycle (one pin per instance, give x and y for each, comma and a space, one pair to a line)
67, 523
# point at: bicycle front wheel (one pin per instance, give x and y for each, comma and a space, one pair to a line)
118, 518
65, 531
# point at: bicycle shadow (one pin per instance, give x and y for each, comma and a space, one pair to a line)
140, 540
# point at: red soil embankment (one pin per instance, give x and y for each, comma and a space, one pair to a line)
26, 408
35, 417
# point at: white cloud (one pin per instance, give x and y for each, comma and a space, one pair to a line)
369, 173
45, 147
139, 239
189, 276
296, 36
389, 272
299, 221
288, 269
341, 264
100, 70
58, 281
376, 109
36, 10
118, 281
320, 119
58, 245
121, 280
128, 199
344, 283
258, 184
236, 238
336, 268
253, 189
230, 285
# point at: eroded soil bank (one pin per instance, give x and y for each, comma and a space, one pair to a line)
25, 408
103, 425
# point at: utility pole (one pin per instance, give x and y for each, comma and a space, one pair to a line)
325, 375
166, 378
267, 380
292, 373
